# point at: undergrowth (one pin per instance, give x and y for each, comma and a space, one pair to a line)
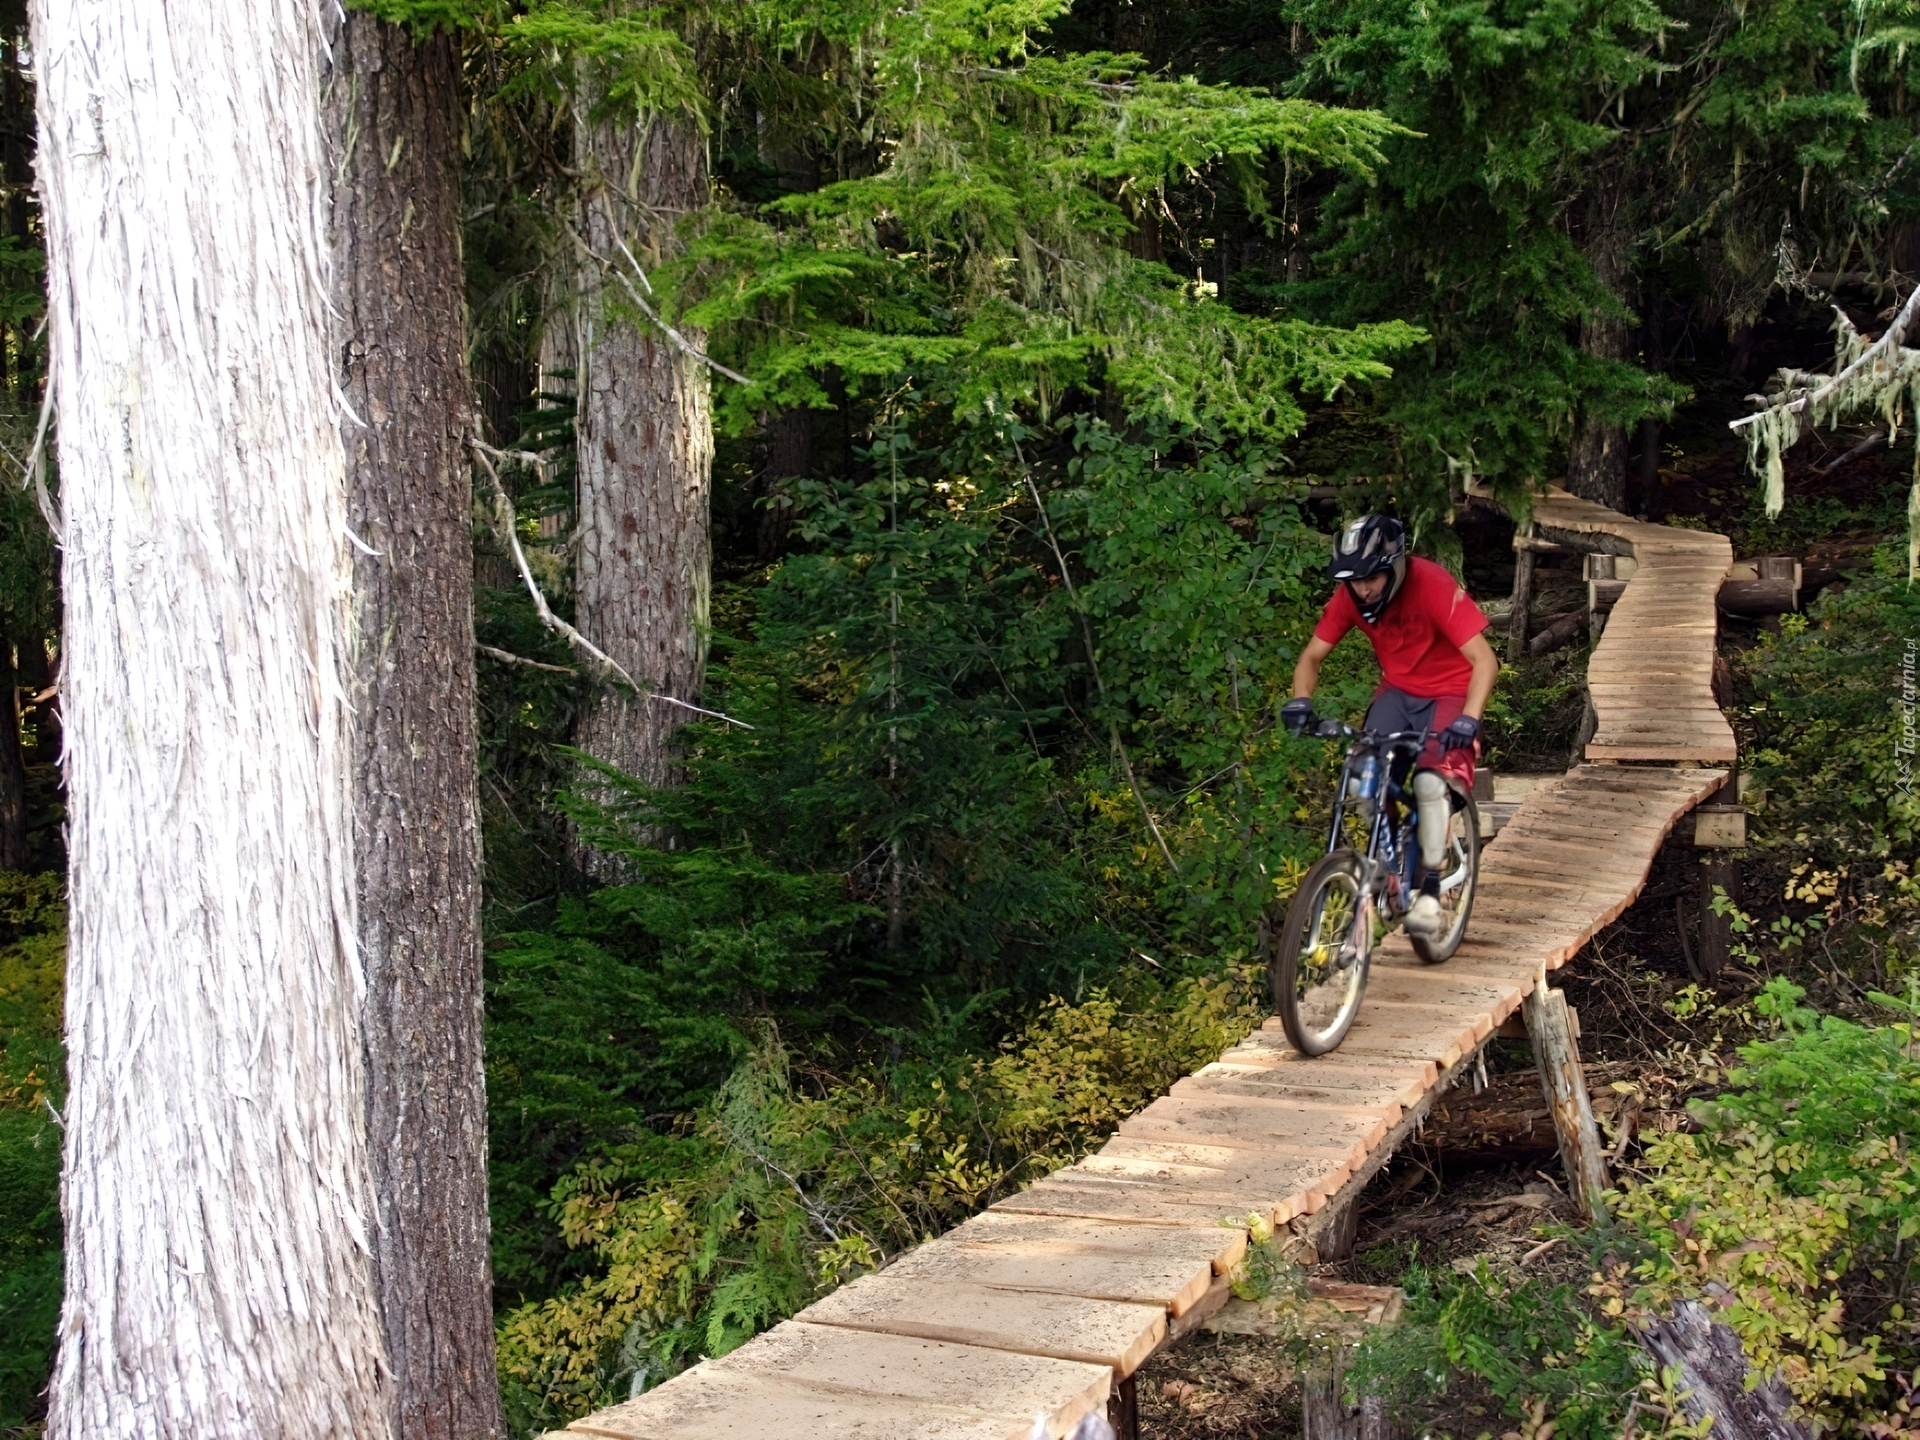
787, 1183
33, 922
1790, 1215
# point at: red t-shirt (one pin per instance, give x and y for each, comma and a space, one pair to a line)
1418, 640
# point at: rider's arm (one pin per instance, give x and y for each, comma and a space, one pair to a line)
1486, 670
1306, 673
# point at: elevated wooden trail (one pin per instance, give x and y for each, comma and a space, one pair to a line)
1039, 1306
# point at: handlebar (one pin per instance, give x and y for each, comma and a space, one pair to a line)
1331, 729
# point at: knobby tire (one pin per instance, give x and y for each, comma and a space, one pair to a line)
1335, 878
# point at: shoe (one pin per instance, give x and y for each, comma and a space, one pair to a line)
1425, 920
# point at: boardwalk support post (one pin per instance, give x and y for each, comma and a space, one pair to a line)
1325, 1414
1123, 1410
1550, 1028
1719, 828
1519, 618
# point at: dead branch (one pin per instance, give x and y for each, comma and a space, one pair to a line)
506, 522
674, 337
1888, 344
507, 657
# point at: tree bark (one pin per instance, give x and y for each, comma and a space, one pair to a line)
1597, 458
786, 457
216, 1191
645, 455
1521, 614
391, 111
1713, 1377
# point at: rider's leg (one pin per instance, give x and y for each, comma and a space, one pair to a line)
1435, 809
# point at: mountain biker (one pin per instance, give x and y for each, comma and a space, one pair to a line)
1436, 669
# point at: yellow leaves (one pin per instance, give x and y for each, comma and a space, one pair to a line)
1811, 886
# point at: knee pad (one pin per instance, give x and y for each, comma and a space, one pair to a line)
1435, 809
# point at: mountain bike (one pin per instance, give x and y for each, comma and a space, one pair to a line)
1361, 888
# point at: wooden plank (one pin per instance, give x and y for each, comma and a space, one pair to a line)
1336, 1070
1600, 751
1437, 986
818, 1382
1231, 1158
1065, 1327
1143, 1201
1170, 1282
1253, 1125
1218, 1246
1147, 1204
1256, 1084
711, 1403
929, 1372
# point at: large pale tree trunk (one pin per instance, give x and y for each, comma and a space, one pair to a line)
1597, 458
217, 1197
390, 108
645, 452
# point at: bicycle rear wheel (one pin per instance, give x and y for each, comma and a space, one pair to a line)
1459, 873
1319, 969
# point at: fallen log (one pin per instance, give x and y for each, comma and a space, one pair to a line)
1559, 633
1713, 1377
1757, 597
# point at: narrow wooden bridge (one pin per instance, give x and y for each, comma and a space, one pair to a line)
1047, 1303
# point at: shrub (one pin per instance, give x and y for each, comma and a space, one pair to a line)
1792, 1212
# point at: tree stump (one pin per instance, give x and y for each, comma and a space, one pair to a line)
1325, 1414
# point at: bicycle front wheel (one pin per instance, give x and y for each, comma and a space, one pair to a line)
1319, 969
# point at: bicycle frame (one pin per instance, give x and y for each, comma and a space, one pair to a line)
1390, 846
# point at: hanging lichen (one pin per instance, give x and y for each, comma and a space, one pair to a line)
1882, 376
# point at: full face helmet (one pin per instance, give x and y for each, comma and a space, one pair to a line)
1369, 545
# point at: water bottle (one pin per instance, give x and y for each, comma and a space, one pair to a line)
1369, 777
1364, 784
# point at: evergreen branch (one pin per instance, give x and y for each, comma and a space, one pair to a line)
1093, 660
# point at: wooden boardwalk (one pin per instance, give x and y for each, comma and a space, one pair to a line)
1651, 675
1039, 1306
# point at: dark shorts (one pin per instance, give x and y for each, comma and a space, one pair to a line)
1396, 710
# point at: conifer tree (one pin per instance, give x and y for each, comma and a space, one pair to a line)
645, 446
217, 1197
392, 115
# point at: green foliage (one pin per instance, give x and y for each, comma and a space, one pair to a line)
1824, 737
1526, 1342
1500, 96
993, 240
32, 1078
1794, 1211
